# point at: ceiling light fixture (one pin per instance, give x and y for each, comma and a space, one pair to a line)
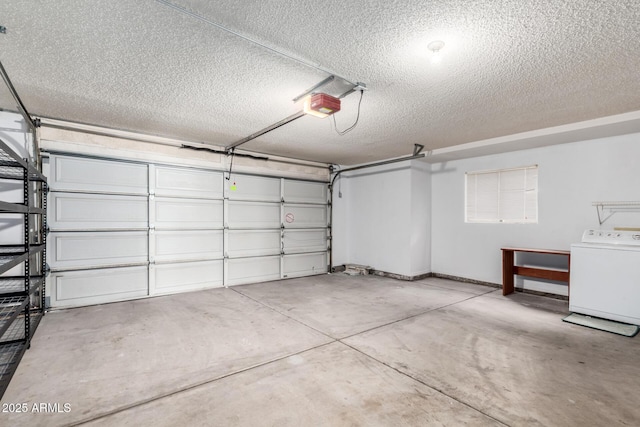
435, 47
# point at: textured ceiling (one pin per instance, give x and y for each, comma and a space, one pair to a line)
507, 67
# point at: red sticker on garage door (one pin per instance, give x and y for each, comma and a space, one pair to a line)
289, 218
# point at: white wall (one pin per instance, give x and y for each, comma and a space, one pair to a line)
571, 177
408, 218
420, 233
382, 219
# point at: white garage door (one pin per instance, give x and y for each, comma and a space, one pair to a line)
185, 229
123, 230
98, 217
274, 228
253, 229
304, 236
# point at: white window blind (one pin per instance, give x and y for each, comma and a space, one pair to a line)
506, 195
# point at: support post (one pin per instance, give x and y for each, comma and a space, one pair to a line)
507, 271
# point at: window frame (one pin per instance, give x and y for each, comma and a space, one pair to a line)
500, 203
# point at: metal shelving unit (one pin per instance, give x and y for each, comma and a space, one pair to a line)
22, 293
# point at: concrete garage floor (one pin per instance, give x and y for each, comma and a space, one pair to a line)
328, 350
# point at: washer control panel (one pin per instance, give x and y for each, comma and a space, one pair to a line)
612, 237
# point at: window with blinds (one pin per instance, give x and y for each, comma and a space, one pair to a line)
506, 195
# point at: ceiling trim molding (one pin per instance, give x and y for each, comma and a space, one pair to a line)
619, 124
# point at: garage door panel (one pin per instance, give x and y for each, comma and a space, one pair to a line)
75, 211
184, 182
182, 245
186, 276
304, 192
304, 216
304, 264
256, 188
197, 229
85, 287
72, 250
247, 243
298, 241
252, 270
252, 215
166, 212
97, 176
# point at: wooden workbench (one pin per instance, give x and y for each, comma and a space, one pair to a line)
509, 269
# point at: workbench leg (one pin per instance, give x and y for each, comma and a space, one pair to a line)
507, 272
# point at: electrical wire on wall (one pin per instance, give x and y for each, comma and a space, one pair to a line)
350, 128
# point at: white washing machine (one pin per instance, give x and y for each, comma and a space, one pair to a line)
605, 275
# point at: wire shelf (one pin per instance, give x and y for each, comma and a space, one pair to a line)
614, 207
10, 162
10, 307
8, 353
10, 356
7, 302
11, 170
10, 285
617, 204
15, 332
6, 159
